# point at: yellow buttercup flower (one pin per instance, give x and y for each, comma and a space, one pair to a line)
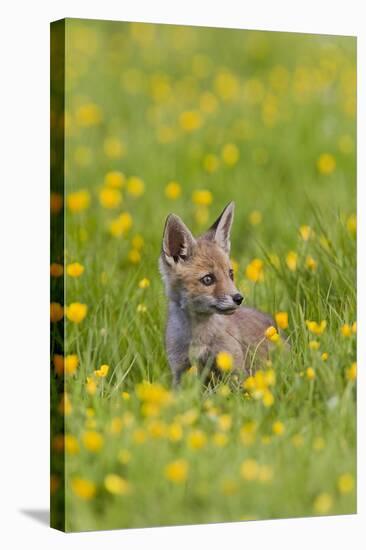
177, 471
226, 85
346, 330
314, 345
83, 488
102, 371
190, 121
116, 485
135, 186
324, 356
255, 217
316, 328
220, 439
278, 428
230, 154
92, 441
78, 201
202, 197
210, 163
351, 372
255, 270
71, 363
56, 270
114, 179
71, 444
114, 148
144, 283
175, 431
110, 197
281, 318
91, 386
345, 483
225, 422
137, 242
305, 232
310, 373
291, 260
56, 312
121, 225
249, 469
88, 114
268, 398
125, 395
76, 312
311, 263
224, 361
323, 503
326, 163
75, 269
196, 439
173, 190
272, 334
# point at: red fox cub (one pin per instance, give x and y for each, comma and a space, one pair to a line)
205, 315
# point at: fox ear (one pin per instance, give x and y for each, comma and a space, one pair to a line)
220, 230
178, 241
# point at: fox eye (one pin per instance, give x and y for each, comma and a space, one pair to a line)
231, 274
208, 279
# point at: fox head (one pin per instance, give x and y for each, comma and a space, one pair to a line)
197, 271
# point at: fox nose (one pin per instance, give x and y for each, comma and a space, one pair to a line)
237, 298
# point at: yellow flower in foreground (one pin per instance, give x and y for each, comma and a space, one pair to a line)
316, 328
311, 263
110, 197
56, 312
78, 201
173, 190
71, 363
310, 373
272, 334
224, 361
255, 217
220, 439
120, 226
93, 441
102, 371
281, 318
75, 269
135, 186
326, 163
144, 283
76, 312
153, 393
278, 428
351, 372
346, 330
291, 260
268, 398
254, 270
177, 471
114, 179
305, 232
325, 356
351, 224
202, 197
83, 488
125, 395
345, 483
56, 270
196, 439
116, 485
91, 386
249, 469
137, 242
323, 503
190, 121
230, 154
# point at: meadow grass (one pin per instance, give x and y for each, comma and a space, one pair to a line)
275, 114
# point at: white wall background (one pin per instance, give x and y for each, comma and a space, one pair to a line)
24, 269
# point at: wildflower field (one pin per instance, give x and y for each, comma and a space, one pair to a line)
162, 119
